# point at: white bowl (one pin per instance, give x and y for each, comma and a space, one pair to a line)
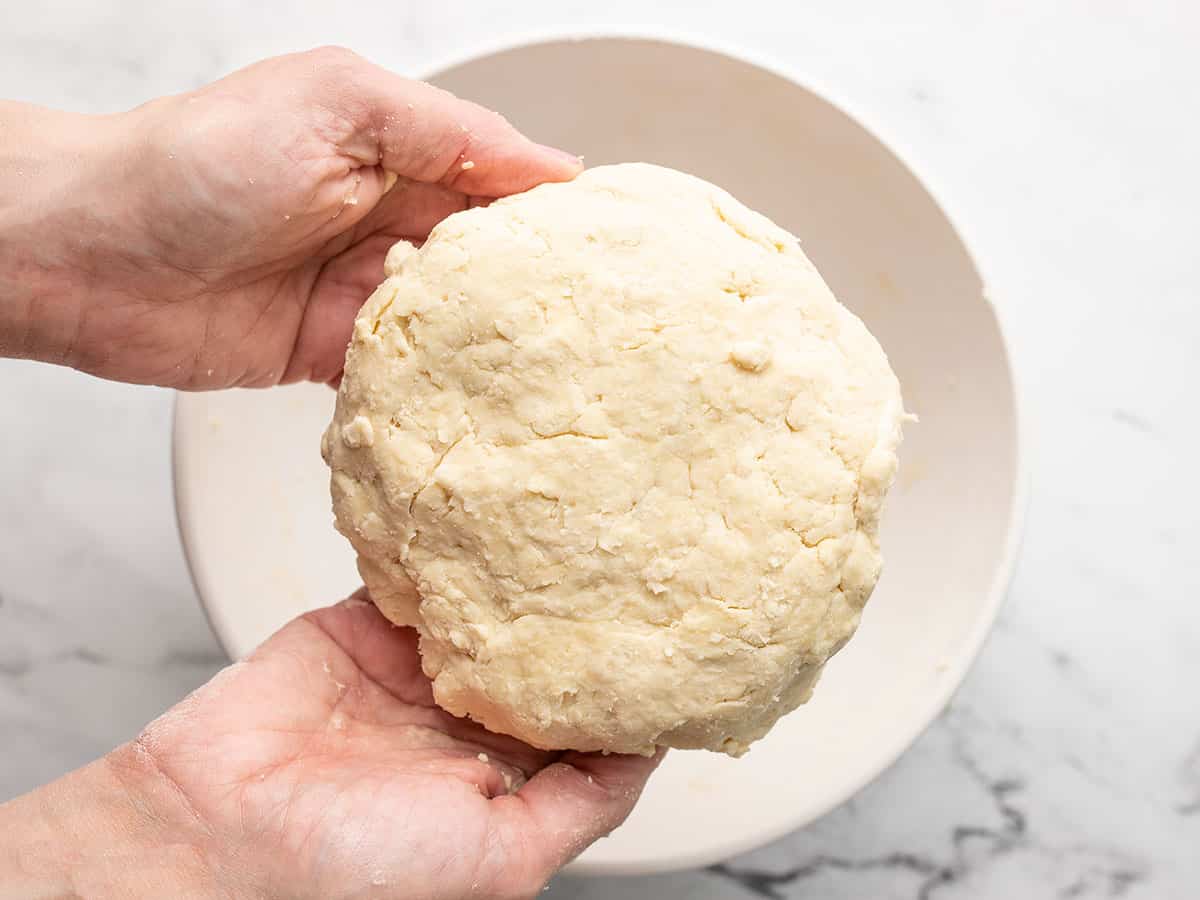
252, 492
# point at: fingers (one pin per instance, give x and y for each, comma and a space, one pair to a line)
388, 655
570, 804
336, 294
385, 653
408, 211
421, 132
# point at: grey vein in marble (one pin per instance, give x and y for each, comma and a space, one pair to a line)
970, 846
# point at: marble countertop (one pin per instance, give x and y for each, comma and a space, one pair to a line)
1061, 137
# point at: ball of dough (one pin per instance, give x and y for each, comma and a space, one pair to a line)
618, 454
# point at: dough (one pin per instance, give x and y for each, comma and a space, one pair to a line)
628, 450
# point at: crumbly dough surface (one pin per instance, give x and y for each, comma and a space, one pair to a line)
628, 451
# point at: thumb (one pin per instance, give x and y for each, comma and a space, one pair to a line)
426, 134
570, 804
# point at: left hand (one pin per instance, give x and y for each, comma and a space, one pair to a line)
227, 236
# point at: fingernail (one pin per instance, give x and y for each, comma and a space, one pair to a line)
569, 158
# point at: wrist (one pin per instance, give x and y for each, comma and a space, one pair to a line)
60, 207
115, 828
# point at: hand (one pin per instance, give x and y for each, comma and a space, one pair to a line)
319, 767
228, 236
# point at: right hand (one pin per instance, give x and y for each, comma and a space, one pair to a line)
320, 767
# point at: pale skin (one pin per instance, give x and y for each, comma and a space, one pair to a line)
226, 237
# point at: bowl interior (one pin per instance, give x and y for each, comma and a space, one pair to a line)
253, 497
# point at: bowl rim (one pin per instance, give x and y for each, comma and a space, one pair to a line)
1002, 576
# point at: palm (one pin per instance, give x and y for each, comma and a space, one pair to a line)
324, 754
283, 306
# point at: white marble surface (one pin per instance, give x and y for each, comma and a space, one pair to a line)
1062, 136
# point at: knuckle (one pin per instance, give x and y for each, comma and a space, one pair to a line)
333, 78
331, 55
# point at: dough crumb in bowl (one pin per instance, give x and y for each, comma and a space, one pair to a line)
618, 454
